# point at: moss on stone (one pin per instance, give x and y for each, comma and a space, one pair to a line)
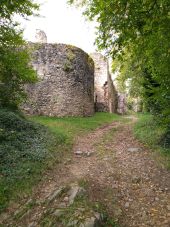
90, 62
70, 55
67, 67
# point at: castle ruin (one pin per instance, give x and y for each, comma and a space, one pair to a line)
68, 83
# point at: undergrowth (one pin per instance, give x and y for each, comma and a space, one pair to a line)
150, 132
23, 149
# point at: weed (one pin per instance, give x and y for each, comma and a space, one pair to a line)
83, 183
107, 220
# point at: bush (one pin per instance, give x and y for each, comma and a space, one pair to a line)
23, 149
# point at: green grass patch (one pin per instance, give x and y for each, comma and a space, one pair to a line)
70, 127
153, 134
28, 147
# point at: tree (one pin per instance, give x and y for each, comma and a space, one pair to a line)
137, 32
15, 68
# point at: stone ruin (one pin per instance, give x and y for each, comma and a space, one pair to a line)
105, 92
69, 83
66, 82
40, 36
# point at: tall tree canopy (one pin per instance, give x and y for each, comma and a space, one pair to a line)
136, 33
15, 69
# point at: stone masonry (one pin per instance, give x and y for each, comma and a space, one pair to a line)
105, 92
40, 36
66, 81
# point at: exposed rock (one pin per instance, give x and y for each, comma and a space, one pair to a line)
74, 192
32, 224
66, 199
156, 199
72, 223
55, 194
90, 222
78, 152
93, 221
83, 153
127, 204
89, 153
23, 209
134, 149
58, 212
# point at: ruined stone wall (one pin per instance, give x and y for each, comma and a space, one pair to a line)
100, 81
66, 82
40, 36
105, 92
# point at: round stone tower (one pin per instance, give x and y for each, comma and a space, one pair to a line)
66, 82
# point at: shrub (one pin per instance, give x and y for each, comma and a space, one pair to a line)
23, 149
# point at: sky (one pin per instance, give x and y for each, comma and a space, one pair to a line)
62, 24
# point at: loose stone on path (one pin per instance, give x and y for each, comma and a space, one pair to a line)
134, 149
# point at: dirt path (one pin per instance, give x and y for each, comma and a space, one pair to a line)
118, 171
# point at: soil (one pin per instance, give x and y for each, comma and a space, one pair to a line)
118, 171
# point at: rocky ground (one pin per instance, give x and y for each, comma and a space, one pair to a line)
110, 176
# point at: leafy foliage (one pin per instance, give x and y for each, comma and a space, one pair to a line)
150, 132
136, 33
23, 150
15, 69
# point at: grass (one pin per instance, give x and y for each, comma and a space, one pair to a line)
27, 148
69, 127
151, 133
